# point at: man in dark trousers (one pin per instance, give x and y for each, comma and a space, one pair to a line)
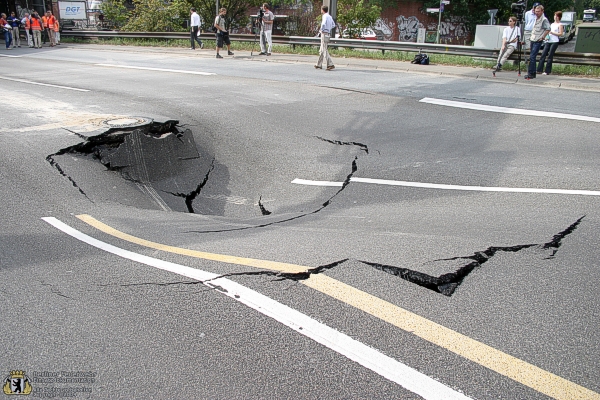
195, 23
541, 27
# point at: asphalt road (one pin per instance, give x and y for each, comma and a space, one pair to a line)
459, 242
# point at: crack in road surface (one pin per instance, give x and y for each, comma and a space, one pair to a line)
445, 284
324, 205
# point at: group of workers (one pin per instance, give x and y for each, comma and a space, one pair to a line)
37, 29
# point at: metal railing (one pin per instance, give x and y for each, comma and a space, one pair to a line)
591, 59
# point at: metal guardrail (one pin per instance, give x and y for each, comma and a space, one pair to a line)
590, 59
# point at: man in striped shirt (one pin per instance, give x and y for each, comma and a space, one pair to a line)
327, 26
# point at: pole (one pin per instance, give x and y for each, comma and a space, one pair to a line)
217, 2
437, 39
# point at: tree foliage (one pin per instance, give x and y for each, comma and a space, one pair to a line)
158, 16
236, 11
354, 16
115, 12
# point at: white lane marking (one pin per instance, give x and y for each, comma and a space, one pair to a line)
506, 110
179, 71
6, 55
317, 183
43, 84
354, 350
449, 187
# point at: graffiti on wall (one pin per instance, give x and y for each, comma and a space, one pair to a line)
452, 30
385, 27
408, 28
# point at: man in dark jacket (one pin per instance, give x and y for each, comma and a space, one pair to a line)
15, 22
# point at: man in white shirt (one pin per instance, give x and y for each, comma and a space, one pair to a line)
26, 22
266, 30
327, 26
510, 37
195, 24
530, 18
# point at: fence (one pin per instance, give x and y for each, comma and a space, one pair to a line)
590, 59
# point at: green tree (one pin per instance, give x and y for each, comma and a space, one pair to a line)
158, 16
115, 12
236, 11
354, 16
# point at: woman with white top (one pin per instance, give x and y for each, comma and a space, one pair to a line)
510, 37
556, 31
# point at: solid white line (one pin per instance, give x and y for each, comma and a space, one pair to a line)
317, 183
450, 187
179, 71
6, 55
354, 350
43, 84
506, 110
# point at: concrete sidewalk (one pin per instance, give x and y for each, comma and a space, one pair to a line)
508, 77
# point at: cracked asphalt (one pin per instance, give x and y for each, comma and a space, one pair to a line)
212, 175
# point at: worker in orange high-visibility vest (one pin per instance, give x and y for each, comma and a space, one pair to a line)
56, 32
50, 21
36, 28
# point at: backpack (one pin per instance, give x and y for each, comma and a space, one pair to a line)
421, 58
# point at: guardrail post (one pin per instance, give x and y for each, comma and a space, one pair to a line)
383, 51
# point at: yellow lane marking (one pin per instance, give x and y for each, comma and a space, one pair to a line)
518, 370
249, 262
482, 354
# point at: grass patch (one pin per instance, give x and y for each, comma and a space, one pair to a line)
441, 59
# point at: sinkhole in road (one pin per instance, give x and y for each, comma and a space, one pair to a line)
159, 157
162, 159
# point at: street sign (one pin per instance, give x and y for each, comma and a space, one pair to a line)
442, 7
446, 2
433, 10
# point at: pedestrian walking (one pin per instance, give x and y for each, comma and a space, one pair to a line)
327, 26
266, 30
15, 23
195, 24
539, 32
556, 31
26, 23
222, 33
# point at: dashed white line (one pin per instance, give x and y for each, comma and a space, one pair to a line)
506, 110
449, 187
354, 350
179, 71
43, 84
